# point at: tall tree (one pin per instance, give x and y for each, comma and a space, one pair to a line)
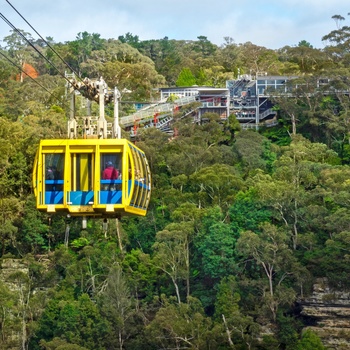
171, 253
182, 325
270, 251
18, 47
117, 304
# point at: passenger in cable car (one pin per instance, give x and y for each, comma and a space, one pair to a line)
49, 176
110, 173
57, 176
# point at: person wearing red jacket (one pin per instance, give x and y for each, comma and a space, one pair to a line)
110, 173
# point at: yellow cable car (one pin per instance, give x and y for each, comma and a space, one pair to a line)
94, 175
68, 177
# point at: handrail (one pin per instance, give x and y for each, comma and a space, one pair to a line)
147, 114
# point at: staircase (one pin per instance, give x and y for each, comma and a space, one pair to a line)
147, 114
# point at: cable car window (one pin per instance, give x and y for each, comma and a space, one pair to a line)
136, 176
110, 170
146, 182
53, 177
141, 180
111, 183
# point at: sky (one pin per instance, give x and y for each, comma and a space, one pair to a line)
269, 23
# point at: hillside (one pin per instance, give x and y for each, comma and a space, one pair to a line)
242, 225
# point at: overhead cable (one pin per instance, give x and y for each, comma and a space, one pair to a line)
45, 41
31, 44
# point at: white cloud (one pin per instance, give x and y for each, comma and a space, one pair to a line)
273, 23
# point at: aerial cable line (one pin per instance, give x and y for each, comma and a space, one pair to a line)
23, 71
31, 44
35, 81
74, 85
90, 89
48, 44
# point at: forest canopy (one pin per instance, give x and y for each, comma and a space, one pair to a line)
241, 222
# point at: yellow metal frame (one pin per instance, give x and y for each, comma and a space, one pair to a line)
135, 186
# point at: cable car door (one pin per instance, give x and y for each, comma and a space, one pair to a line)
81, 183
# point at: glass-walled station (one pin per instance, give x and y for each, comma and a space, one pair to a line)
96, 177
250, 98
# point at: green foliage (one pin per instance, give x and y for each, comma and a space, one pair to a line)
310, 341
140, 274
289, 330
75, 321
269, 207
242, 328
332, 259
270, 251
186, 78
34, 229
216, 246
79, 242
217, 185
247, 213
132, 40
141, 232
181, 325
253, 151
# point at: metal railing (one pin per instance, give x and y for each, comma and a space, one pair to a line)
145, 115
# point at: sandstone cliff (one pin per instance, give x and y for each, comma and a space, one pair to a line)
328, 313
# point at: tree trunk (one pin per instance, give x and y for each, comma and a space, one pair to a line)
177, 291
120, 243
227, 331
294, 124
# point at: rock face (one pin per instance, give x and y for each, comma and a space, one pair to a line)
14, 275
328, 311
9, 268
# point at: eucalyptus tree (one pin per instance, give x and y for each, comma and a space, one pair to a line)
124, 66
118, 306
179, 326
279, 267
304, 59
18, 48
240, 329
331, 120
229, 56
298, 102
7, 322
288, 191
258, 59
253, 151
172, 252
81, 48
338, 41
216, 185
